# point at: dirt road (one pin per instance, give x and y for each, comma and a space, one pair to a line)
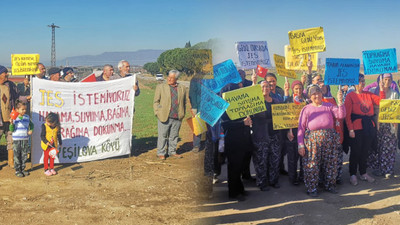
376, 203
135, 190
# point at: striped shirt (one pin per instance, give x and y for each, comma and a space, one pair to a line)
21, 127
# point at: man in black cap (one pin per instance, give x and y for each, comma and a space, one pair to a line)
54, 73
8, 96
68, 75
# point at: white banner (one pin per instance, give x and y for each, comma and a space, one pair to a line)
253, 53
96, 118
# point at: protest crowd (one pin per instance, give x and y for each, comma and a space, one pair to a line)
325, 127
328, 128
15, 114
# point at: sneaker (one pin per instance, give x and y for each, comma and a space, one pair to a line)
161, 157
26, 173
215, 180
196, 149
353, 180
48, 173
366, 177
19, 174
53, 172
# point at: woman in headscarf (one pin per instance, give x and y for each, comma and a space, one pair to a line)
318, 141
382, 161
291, 134
361, 127
327, 97
267, 155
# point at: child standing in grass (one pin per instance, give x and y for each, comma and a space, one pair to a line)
51, 138
21, 127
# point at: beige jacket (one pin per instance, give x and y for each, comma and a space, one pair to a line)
162, 101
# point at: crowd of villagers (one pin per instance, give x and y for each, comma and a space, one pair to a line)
328, 128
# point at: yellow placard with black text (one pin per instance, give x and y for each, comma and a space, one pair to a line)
24, 64
280, 67
299, 62
389, 111
285, 116
244, 102
307, 40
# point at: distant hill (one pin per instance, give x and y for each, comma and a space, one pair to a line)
138, 58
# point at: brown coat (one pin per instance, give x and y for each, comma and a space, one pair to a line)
162, 101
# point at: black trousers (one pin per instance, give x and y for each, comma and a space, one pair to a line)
237, 145
361, 145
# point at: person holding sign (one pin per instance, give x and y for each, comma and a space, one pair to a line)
123, 71
42, 69
54, 73
108, 72
276, 93
290, 140
238, 147
316, 79
338, 124
266, 157
382, 161
361, 128
375, 85
318, 141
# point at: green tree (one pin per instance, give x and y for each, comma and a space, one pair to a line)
188, 45
152, 67
187, 60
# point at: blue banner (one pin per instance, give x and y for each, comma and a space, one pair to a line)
211, 105
224, 73
342, 71
380, 61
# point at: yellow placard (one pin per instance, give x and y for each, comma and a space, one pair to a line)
285, 116
389, 111
280, 67
244, 102
299, 62
197, 125
307, 40
24, 64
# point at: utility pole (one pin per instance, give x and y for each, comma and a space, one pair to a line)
53, 43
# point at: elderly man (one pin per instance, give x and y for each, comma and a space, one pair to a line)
170, 101
8, 96
123, 71
54, 74
68, 75
42, 69
108, 71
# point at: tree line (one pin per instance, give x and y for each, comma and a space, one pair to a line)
190, 60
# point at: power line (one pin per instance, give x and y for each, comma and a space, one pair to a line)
53, 43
